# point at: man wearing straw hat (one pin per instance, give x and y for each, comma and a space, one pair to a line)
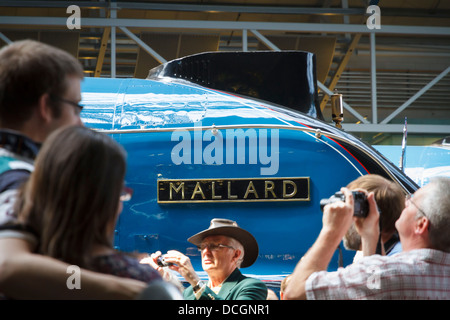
224, 248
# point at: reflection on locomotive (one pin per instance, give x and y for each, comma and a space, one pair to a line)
248, 94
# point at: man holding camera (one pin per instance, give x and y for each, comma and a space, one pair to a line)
390, 200
224, 248
419, 272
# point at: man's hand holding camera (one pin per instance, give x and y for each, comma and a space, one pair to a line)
173, 260
338, 212
337, 215
369, 228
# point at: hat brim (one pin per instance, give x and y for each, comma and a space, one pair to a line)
247, 240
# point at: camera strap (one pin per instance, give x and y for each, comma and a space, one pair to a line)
341, 258
379, 244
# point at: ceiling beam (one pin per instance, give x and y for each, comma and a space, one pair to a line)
144, 46
228, 25
187, 7
416, 96
235, 8
5, 38
397, 128
342, 64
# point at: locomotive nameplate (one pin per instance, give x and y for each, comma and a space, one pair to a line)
233, 190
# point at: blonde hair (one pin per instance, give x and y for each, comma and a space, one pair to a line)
389, 197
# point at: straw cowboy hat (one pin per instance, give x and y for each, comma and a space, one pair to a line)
229, 228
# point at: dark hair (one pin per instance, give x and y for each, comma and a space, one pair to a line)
29, 69
72, 197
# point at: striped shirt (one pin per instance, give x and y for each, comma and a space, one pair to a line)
416, 274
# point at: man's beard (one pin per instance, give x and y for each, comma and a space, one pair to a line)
352, 240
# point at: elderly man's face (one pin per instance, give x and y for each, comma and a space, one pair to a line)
407, 222
218, 255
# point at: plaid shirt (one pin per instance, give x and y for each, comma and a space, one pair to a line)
417, 274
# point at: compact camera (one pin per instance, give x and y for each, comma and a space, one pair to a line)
162, 263
361, 204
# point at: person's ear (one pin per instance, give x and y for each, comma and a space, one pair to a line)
422, 225
237, 255
44, 109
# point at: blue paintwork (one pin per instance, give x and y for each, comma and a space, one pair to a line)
284, 230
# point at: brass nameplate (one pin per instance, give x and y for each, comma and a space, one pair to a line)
233, 190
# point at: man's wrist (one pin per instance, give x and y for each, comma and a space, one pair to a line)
331, 235
200, 284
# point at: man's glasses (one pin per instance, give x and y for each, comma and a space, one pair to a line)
213, 246
72, 103
126, 194
408, 198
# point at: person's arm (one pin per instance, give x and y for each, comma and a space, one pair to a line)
337, 218
24, 275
